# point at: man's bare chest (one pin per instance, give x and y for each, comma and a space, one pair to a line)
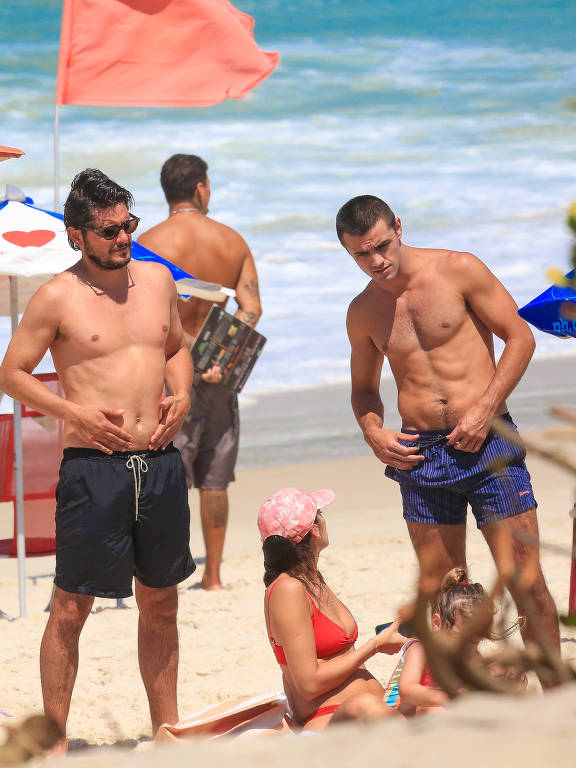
101, 326
424, 320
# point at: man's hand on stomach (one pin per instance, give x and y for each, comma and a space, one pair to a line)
386, 446
96, 428
174, 409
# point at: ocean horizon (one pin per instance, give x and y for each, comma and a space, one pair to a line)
459, 114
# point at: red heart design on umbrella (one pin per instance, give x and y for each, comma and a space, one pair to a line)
36, 237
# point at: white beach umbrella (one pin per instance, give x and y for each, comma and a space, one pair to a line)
33, 247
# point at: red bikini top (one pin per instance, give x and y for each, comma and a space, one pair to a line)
329, 636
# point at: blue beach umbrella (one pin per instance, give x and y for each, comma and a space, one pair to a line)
553, 311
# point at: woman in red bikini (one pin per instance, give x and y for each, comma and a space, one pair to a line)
311, 631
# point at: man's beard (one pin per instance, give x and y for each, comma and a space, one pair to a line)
107, 265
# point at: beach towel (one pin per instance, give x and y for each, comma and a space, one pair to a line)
245, 716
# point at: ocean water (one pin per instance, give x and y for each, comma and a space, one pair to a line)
460, 114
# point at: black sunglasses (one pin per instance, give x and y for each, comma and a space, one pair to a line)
113, 230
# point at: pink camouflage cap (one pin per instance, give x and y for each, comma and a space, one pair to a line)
290, 512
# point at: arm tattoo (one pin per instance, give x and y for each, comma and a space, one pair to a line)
252, 288
249, 318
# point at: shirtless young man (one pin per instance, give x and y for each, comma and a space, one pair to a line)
113, 329
433, 314
213, 252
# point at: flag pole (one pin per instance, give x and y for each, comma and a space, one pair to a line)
57, 158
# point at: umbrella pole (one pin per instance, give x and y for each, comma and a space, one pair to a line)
572, 594
57, 159
18, 469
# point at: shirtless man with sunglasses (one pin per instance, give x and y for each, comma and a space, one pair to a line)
113, 329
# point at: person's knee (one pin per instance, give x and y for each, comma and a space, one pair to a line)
157, 605
217, 494
69, 611
534, 588
362, 706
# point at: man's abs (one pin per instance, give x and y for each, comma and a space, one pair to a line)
131, 381
435, 390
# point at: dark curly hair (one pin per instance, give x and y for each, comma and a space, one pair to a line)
92, 190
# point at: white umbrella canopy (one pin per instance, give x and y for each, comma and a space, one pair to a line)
33, 246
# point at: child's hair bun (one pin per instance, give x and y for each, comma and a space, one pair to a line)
458, 575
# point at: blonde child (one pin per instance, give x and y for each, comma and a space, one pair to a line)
456, 603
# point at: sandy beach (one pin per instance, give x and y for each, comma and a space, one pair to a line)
224, 649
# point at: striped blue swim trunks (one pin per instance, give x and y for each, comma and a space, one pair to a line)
494, 481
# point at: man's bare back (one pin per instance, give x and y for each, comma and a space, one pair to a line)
215, 253
209, 251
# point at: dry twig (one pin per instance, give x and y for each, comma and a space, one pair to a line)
32, 738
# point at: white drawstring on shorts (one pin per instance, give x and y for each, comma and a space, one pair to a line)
137, 464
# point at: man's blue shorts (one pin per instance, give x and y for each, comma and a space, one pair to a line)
494, 481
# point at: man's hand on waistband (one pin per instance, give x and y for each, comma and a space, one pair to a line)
173, 412
386, 446
471, 430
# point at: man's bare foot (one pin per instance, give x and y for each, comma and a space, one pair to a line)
211, 586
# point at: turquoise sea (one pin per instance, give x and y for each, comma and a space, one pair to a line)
460, 114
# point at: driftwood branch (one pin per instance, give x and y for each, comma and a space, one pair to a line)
31, 739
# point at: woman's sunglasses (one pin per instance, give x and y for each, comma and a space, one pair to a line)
112, 231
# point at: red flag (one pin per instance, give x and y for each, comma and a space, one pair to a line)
6, 153
157, 53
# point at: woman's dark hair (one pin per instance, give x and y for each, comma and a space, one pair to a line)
359, 215
297, 560
92, 190
180, 176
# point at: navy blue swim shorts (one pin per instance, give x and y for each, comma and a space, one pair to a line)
494, 481
119, 516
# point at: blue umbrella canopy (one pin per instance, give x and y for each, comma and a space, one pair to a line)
553, 311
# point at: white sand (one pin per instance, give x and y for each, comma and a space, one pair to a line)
224, 650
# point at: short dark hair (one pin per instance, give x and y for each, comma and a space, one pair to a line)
359, 215
92, 190
180, 176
